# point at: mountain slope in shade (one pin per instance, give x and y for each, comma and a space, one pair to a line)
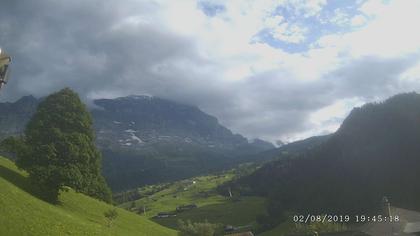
146, 140
375, 153
14, 116
138, 121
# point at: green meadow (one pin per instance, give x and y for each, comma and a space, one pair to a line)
211, 206
21, 213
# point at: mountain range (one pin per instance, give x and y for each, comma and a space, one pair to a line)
145, 139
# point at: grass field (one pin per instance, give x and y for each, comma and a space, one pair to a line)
238, 214
23, 214
212, 206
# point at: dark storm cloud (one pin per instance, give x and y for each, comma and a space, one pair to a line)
103, 49
371, 77
82, 45
268, 103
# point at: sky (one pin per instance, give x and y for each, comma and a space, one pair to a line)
276, 70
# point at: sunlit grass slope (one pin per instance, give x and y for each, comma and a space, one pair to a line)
23, 214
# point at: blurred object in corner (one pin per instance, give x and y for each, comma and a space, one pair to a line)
4, 66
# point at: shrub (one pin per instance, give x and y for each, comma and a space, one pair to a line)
196, 229
111, 215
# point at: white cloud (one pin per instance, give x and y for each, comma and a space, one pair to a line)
340, 17
331, 115
358, 20
290, 33
373, 7
307, 8
274, 21
173, 49
410, 79
389, 33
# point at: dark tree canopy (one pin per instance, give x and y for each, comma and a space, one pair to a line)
59, 148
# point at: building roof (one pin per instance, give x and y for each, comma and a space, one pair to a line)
408, 224
412, 227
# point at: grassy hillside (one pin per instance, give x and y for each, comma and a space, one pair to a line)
23, 214
200, 191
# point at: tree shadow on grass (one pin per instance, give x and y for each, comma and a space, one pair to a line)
19, 181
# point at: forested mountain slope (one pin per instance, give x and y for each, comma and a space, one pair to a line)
375, 153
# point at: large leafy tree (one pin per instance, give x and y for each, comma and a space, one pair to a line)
58, 148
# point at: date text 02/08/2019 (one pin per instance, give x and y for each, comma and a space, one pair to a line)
345, 218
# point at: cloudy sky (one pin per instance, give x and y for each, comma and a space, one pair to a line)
278, 70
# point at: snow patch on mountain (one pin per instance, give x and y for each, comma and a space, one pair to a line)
133, 135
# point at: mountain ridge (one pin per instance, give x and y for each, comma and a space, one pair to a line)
374, 153
146, 139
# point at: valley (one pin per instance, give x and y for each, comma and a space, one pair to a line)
233, 189
209, 118
208, 203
